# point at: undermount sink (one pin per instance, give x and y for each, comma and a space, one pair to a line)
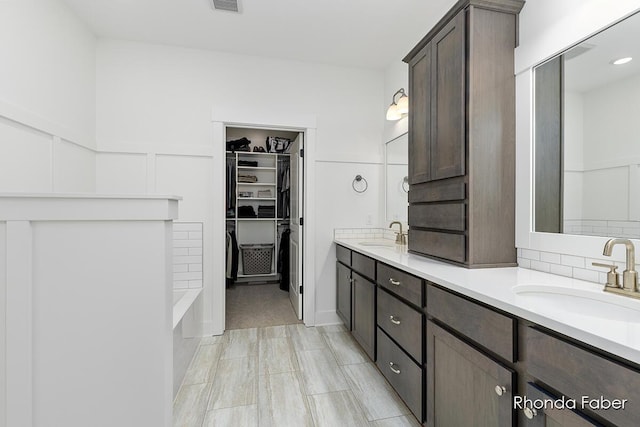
379, 243
590, 304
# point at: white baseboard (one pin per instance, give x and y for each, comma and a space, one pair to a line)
325, 318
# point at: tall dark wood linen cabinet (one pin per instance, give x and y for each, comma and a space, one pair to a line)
462, 136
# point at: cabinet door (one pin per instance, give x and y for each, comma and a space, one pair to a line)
448, 108
464, 386
547, 415
343, 284
420, 116
363, 309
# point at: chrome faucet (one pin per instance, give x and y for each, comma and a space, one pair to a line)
401, 239
629, 275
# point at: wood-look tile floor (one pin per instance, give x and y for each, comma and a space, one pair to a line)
286, 375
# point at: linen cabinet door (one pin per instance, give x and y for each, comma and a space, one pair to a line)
464, 386
343, 283
363, 311
448, 108
420, 117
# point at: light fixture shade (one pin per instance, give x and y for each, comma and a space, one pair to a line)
622, 61
403, 105
393, 113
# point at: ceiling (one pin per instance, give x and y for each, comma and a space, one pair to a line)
361, 33
593, 69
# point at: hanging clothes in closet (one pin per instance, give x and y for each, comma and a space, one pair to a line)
284, 163
283, 260
232, 257
231, 186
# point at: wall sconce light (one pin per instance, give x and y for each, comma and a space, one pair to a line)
399, 108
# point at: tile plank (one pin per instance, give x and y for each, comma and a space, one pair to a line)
281, 401
336, 409
320, 373
235, 383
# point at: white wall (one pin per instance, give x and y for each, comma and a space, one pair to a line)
546, 28
154, 113
47, 99
601, 152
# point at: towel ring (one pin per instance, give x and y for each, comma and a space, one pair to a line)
359, 178
405, 184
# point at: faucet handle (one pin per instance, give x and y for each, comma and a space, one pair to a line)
613, 280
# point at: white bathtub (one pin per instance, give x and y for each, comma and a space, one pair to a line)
186, 335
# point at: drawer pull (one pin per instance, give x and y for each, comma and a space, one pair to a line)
500, 390
529, 412
394, 320
393, 368
394, 281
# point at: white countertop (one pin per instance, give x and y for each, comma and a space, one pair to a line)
609, 328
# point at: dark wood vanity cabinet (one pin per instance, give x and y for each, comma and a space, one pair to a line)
400, 345
356, 296
469, 371
363, 309
343, 294
363, 302
462, 136
549, 416
343, 285
576, 372
456, 361
465, 387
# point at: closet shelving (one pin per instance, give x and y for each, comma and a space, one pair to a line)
256, 230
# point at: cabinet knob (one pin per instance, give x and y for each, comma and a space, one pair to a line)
500, 390
394, 281
351, 280
394, 320
393, 368
529, 412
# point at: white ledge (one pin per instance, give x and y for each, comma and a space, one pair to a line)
87, 207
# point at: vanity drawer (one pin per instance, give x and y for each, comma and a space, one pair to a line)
401, 322
343, 255
401, 372
449, 216
442, 245
438, 191
363, 265
400, 283
576, 372
486, 327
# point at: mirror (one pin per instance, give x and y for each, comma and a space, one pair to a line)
586, 137
396, 180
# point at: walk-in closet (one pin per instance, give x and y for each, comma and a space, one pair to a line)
261, 197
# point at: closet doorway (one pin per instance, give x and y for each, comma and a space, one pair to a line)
264, 205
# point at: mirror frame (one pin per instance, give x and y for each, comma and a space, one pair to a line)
576, 30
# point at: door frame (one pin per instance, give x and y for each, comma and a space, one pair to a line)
221, 118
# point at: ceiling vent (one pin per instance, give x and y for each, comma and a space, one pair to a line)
576, 50
228, 5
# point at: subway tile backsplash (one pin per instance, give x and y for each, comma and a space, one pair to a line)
604, 228
187, 255
565, 265
364, 233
